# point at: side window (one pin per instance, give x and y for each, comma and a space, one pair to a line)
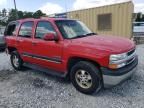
11, 29
26, 29
43, 27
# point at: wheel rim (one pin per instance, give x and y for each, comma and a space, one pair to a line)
83, 79
15, 61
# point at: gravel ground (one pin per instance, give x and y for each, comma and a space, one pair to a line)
33, 89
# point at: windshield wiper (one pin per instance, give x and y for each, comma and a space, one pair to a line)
90, 34
79, 36
84, 35
87, 34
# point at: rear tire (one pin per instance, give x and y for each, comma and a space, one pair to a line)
16, 60
86, 77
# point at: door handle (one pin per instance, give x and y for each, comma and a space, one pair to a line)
34, 43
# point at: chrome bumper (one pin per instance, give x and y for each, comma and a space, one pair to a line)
114, 77
110, 81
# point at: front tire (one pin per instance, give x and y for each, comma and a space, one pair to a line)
86, 77
16, 60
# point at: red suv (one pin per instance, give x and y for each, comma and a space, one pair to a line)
67, 48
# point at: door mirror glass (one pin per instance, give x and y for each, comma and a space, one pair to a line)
50, 37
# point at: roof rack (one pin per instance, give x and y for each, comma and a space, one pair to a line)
27, 19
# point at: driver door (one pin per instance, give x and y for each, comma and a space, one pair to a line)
46, 53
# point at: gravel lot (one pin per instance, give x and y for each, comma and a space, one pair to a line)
33, 89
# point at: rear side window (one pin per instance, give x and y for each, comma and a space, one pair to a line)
43, 27
26, 29
11, 29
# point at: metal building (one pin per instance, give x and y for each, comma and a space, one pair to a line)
115, 19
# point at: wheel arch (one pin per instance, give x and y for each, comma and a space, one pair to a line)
73, 60
11, 49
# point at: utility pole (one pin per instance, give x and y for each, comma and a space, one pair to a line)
66, 8
15, 9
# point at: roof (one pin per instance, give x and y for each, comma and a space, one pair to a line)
101, 6
42, 18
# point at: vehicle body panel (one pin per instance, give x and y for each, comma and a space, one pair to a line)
56, 54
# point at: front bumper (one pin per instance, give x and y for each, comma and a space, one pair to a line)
114, 77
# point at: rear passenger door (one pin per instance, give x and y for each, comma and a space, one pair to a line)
47, 53
24, 40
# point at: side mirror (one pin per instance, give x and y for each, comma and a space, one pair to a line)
50, 37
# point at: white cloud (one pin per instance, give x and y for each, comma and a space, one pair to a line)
139, 7
81, 4
51, 8
2, 2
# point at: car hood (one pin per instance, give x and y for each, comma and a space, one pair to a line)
108, 43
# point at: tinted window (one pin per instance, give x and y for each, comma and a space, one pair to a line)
26, 29
43, 28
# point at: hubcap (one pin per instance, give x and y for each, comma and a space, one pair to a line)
83, 79
15, 61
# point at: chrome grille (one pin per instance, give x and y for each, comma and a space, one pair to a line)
131, 52
131, 55
130, 61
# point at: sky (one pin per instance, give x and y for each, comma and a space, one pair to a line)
58, 6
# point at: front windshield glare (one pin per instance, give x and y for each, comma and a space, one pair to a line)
72, 28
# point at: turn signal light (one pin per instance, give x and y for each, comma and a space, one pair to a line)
113, 66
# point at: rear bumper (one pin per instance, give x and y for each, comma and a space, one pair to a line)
114, 77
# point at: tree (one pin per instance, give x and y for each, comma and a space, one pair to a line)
139, 17
3, 17
20, 14
143, 17
15, 14
4, 12
12, 15
27, 14
0, 13
38, 14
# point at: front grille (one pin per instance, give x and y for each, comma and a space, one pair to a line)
131, 55
130, 60
131, 52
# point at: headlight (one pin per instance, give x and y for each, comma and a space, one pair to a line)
117, 60
118, 57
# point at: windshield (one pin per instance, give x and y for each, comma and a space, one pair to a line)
72, 29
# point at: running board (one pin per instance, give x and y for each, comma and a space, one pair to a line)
46, 70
